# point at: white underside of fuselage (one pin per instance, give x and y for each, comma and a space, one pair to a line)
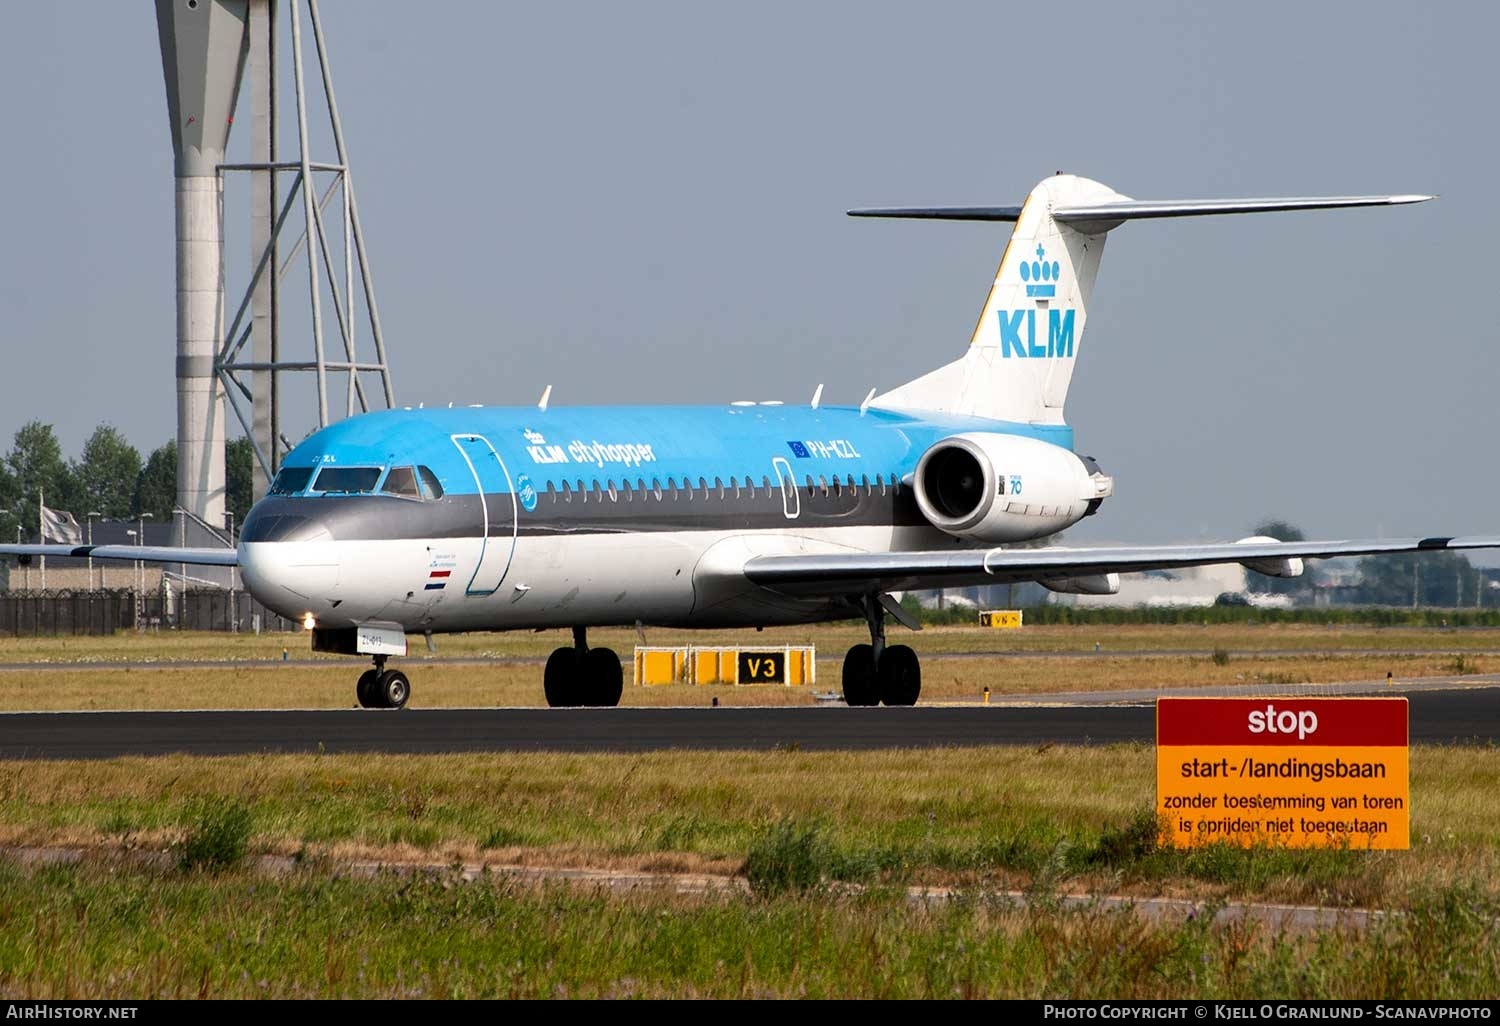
668, 578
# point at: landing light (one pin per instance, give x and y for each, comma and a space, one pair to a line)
309, 622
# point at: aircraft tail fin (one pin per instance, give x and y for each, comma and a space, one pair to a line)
1022, 353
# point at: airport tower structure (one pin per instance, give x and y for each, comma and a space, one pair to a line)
206, 46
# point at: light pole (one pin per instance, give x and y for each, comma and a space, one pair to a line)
28, 562
234, 606
91, 515
140, 568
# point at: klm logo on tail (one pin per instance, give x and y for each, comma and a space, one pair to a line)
1019, 333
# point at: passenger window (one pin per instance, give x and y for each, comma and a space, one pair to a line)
567, 493
765, 482
838, 489
431, 488
656, 488
864, 480
823, 483
401, 481
598, 491
719, 484
672, 486
735, 485
703, 484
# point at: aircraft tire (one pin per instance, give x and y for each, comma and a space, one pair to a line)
365, 690
899, 676
393, 690
860, 686
560, 679
604, 678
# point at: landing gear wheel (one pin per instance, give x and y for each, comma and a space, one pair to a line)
859, 676
394, 689
899, 676
604, 678
560, 679
365, 690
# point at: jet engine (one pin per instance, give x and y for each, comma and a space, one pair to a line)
1287, 567
991, 487
1088, 584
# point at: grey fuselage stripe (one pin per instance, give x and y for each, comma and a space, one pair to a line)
386, 518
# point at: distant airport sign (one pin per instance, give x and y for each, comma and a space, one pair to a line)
1000, 618
1295, 772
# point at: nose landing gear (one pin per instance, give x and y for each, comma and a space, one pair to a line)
581, 675
381, 688
875, 673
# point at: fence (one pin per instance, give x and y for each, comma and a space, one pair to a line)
104, 612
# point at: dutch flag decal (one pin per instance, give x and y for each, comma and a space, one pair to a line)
437, 580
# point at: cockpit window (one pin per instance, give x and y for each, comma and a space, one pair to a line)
401, 481
291, 480
347, 480
431, 488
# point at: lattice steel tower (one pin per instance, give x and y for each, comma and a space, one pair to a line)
205, 47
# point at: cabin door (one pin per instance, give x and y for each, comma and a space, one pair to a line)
497, 502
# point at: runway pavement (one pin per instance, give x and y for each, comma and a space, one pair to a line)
1469, 715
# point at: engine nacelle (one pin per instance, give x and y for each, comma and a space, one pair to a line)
1091, 584
993, 487
1289, 567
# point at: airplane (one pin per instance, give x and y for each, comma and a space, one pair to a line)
746, 514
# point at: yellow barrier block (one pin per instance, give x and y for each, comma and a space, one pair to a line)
789, 665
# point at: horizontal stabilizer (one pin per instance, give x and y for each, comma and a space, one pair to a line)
1136, 210
942, 213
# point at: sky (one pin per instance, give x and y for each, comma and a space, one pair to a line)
644, 203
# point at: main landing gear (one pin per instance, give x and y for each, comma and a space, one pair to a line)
381, 688
583, 676
877, 673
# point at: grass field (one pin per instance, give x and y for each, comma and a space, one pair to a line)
467, 685
166, 646
101, 932
802, 827
796, 823
1073, 817
1272, 657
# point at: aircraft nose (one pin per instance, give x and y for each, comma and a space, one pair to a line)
291, 577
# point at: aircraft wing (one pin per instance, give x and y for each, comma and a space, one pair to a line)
866, 573
147, 553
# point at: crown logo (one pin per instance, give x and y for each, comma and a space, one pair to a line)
535, 437
1041, 275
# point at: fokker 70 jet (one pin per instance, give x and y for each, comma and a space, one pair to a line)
739, 515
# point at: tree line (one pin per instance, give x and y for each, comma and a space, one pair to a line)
109, 478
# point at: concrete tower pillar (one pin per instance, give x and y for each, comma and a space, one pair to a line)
203, 45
